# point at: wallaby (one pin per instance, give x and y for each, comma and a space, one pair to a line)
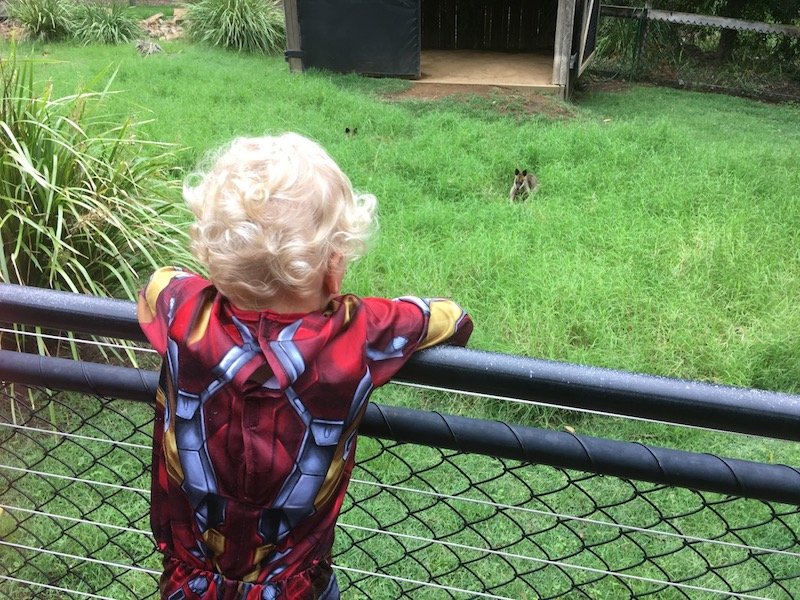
524, 184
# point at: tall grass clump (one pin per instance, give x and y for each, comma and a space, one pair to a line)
84, 205
43, 19
104, 24
245, 25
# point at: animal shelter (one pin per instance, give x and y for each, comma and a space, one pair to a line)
537, 45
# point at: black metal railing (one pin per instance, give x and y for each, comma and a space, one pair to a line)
742, 410
440, 505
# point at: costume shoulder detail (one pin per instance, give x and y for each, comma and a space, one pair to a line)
158, 281
152, 306
448, 323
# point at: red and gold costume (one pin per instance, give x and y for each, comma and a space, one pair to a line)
255, 430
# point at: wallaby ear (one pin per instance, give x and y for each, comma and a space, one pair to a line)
347, 130
524, 172
516, 171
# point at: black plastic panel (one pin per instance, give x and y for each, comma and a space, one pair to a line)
371, 37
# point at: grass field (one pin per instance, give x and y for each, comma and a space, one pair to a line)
143, 11
663, 239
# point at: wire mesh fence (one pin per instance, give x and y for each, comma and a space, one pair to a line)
759, 60
419, 521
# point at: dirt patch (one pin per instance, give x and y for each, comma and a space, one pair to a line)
165, 28
10, 29
595, 83
504, 100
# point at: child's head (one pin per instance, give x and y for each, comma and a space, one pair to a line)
271, 216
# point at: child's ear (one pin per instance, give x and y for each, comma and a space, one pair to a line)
335, 262
332, 280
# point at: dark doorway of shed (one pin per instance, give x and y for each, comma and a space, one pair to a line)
504, 43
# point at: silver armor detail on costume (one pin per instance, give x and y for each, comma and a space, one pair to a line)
287, 352
296, 497
269, 592
198, 585
424, 304
295, 500
394, 349
288, 355
200, 480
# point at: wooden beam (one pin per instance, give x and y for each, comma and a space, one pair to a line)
292, 34
584, 37
565, 19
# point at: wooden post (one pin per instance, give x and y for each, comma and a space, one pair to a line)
292, 34
565, 22
641, 38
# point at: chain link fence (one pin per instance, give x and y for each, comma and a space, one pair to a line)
419, 521
684, 50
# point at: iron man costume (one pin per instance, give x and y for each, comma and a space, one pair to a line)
255, 430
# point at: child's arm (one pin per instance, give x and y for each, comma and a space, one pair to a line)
398, 328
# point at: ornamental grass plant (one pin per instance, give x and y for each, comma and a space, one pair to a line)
43, 19
244, 25
95, 22
85, 206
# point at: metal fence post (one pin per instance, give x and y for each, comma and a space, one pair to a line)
641, 38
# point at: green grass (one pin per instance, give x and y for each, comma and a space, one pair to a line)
664, 237
143, 11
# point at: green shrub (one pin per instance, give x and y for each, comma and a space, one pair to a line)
105, 24
84, 205
245, 25
43, 19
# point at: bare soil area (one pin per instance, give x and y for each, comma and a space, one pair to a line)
9, 29
506, 101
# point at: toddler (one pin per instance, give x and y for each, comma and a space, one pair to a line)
267, 370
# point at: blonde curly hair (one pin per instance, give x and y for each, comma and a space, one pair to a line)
271, 215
